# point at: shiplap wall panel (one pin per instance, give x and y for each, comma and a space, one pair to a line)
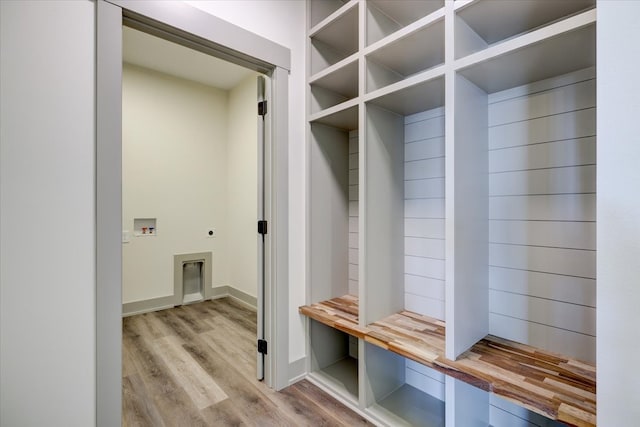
424, 188
424, 208
571, 125
563, 99
424, 212
424, 286
425, 379
425, 267
581, 151
353, 209
577, 290
542, 211
568, 316
554, 207
429, 228
428, 248
564, 180
575, 235
421, 169
353, 212
422, 127
543, 336
430, 148
569, 262
506, 414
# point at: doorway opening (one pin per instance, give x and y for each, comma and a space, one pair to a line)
186, 26
192, 181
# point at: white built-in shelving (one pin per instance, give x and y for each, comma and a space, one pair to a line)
451, 159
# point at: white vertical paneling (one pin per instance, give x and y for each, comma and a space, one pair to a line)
353, 213
424, 215
542, 212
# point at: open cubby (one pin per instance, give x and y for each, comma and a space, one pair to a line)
332, 361
535, 204
392, 399
319, 10
484, 23
385, 17
334, 41
569, 51
404, 55
405, 209
334, 86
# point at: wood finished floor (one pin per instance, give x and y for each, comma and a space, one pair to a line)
195, 365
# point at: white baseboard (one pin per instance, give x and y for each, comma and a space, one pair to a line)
148, 305
162, 303
297, 370
230, 291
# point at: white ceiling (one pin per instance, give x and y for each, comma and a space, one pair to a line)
158, 54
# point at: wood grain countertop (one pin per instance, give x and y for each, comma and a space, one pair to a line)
549, 384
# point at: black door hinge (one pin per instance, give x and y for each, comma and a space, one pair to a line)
262, 227
262, 346
262, 108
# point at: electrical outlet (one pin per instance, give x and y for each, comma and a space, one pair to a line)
211, 232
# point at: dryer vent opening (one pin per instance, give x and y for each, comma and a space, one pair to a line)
192, 281
192, 277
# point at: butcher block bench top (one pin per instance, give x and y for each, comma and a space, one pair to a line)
549, 384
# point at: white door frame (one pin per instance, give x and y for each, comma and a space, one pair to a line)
189, 26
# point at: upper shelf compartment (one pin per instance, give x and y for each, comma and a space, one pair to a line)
565, 48
319, 10
334, 85
335, 38
385, 17
483, 23
414, 49
423, 95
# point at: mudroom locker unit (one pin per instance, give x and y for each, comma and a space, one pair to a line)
452, 209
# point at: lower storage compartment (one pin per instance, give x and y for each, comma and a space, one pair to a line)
398, 394
332, 361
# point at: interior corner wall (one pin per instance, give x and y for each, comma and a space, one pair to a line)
284, 22
170, 126
47, 214
618, 228
242, 152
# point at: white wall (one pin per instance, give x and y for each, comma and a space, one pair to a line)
242, 154
618, 227
283, 21
174, 169
47, 208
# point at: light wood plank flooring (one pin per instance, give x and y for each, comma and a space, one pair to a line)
195, 365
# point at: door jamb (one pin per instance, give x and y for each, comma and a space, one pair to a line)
189, 26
